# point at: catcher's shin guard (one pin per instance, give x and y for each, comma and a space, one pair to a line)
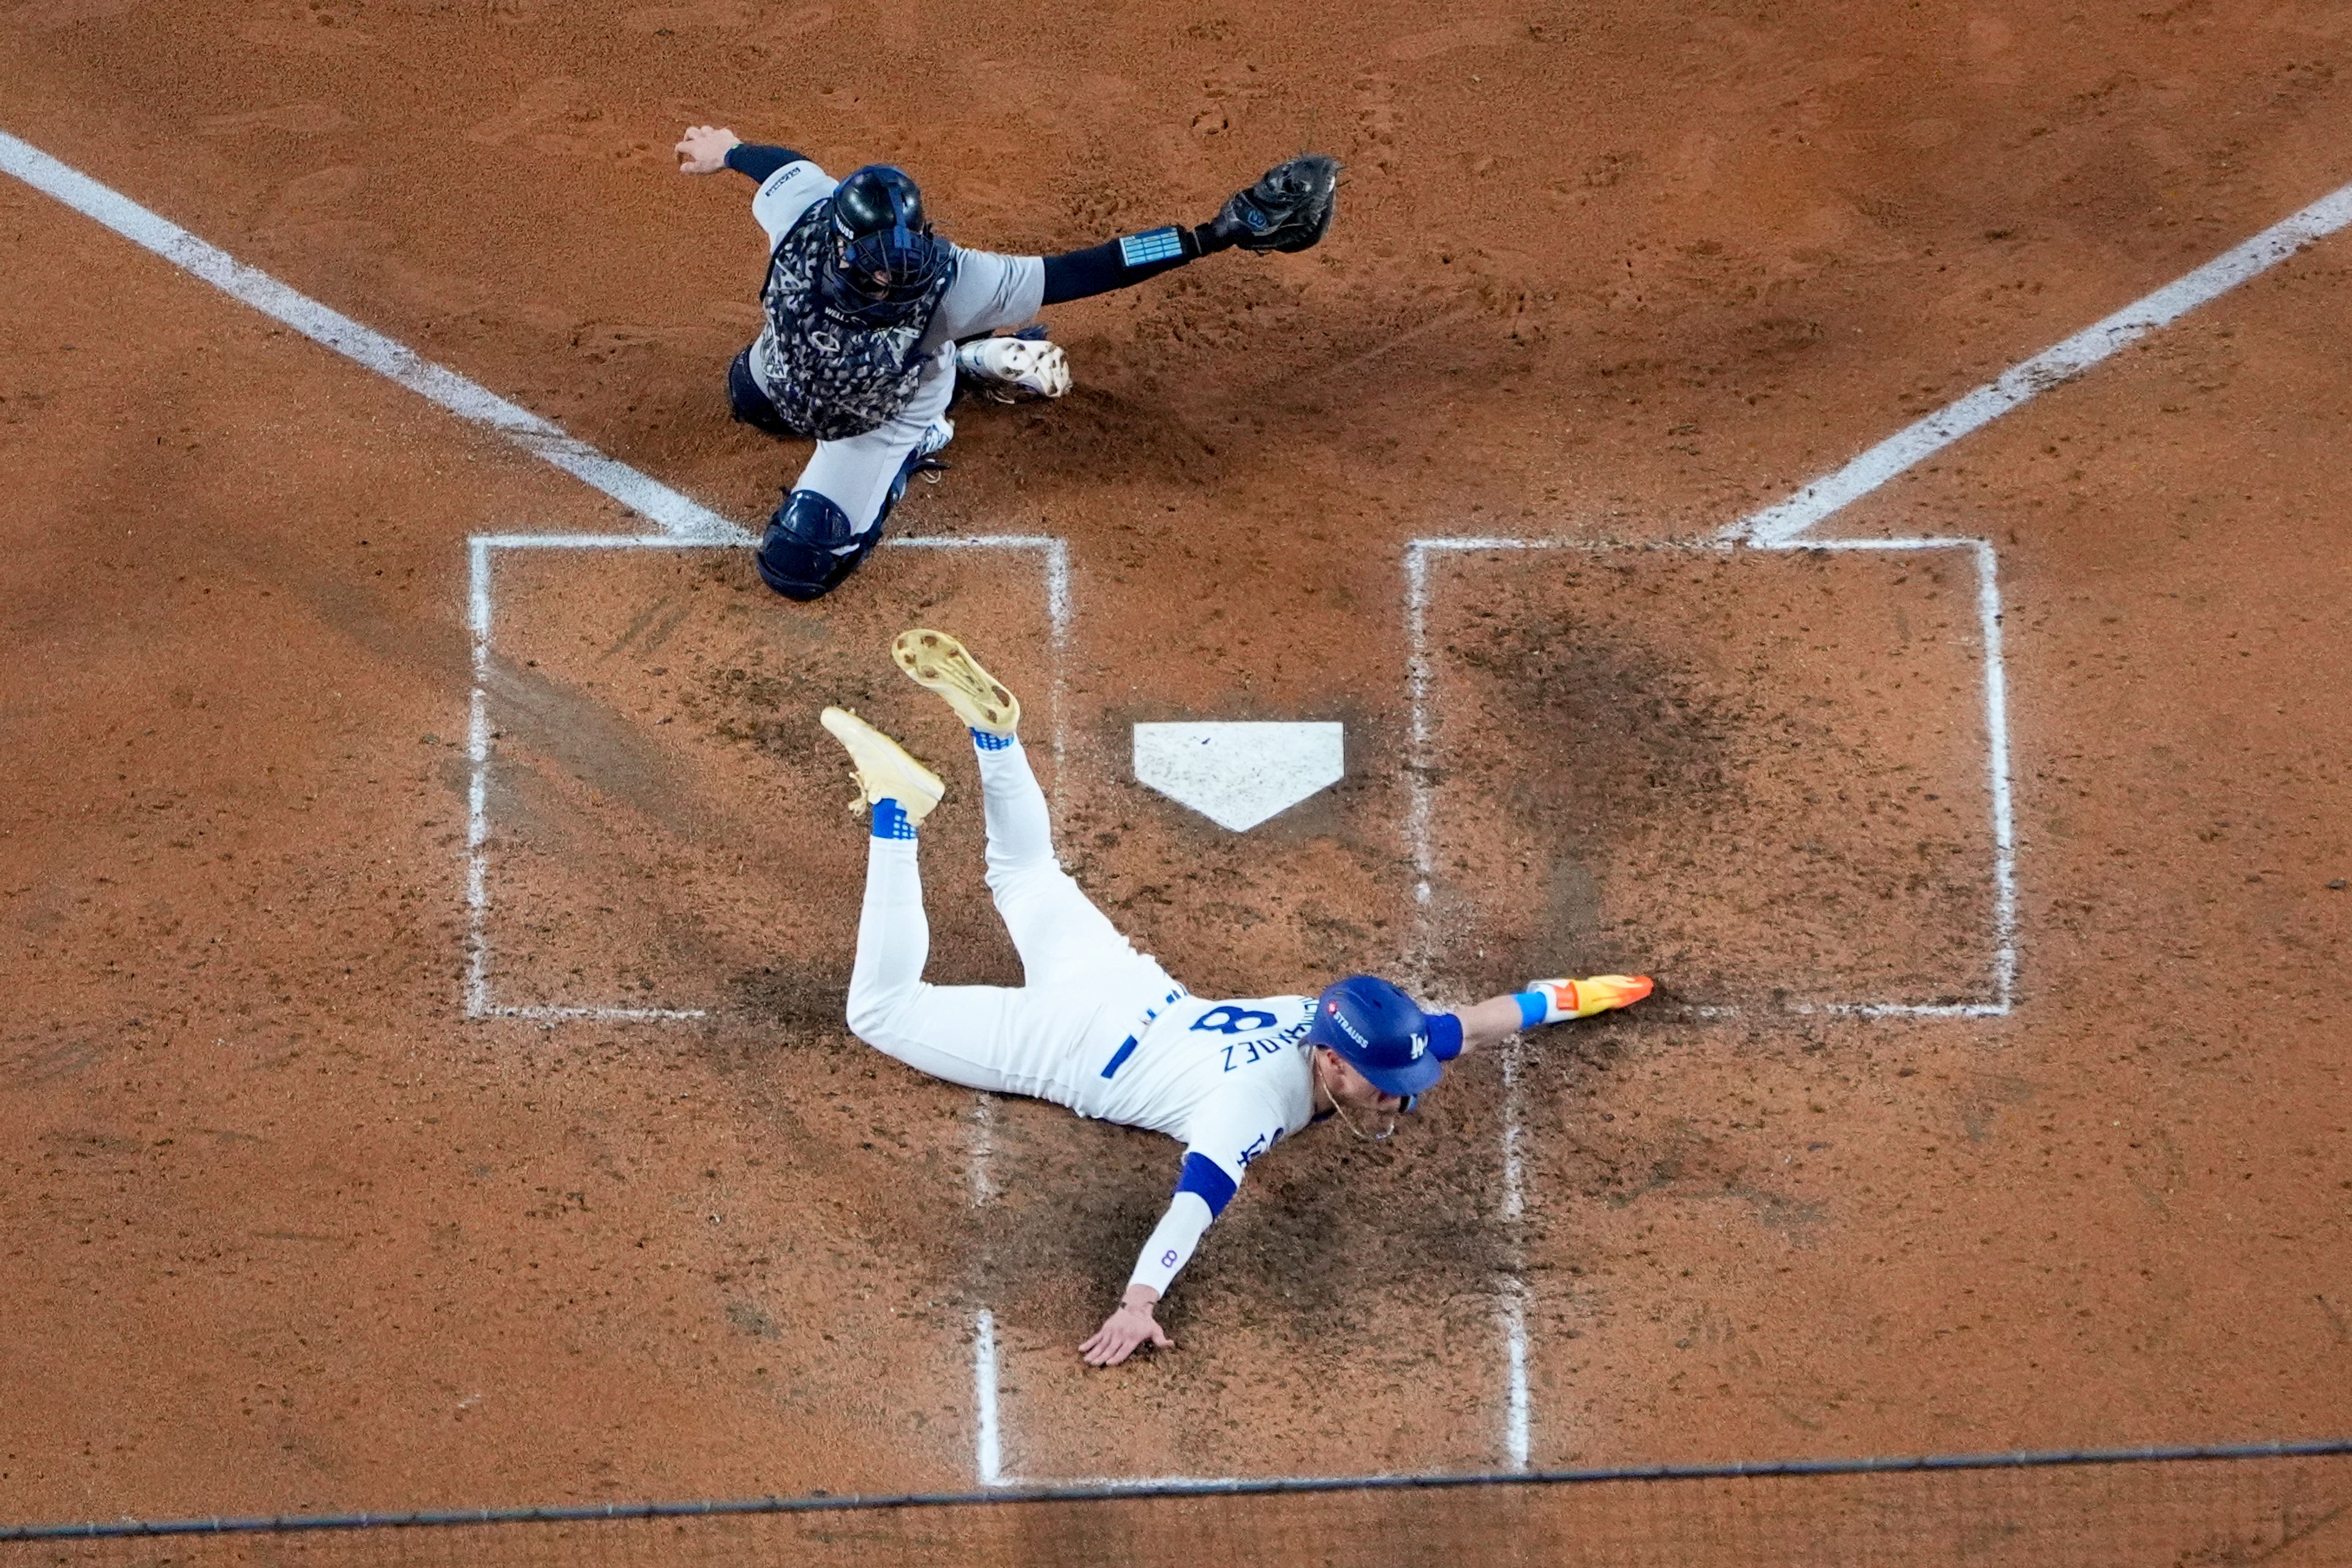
809, 547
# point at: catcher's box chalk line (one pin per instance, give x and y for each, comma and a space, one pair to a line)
1515, 1294
988, 1454
1512, 1306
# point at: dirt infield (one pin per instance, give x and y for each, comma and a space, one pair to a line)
284, 1228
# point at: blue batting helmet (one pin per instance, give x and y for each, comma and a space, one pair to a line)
885, 258
1378, 1030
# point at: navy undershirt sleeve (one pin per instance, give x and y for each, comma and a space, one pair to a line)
1115, 264
759, 161
1444, 1035
1203, 1177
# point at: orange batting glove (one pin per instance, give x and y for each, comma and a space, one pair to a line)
1566, 999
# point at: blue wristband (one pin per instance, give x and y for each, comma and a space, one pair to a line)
1534, 1008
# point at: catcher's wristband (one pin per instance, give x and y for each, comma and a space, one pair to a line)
1115, 264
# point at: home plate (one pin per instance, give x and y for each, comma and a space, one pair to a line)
1238, 774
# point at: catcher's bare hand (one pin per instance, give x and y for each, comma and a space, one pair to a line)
1126, 1331
703, 149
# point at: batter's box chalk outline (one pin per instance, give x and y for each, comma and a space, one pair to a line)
1421, 680
481, 552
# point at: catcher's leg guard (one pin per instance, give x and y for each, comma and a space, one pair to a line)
812, 544
809, 547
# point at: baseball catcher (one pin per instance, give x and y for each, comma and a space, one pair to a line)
1103, 1029
870, 317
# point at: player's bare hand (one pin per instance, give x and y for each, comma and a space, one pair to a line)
1126, 1331
703, 149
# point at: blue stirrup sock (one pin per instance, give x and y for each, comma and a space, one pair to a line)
988, 743
890, 820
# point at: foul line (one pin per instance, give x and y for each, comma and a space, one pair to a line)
666, 507
2055, 366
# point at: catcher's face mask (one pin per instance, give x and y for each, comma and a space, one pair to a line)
885, 259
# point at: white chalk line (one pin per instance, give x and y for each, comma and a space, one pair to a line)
1421, 803
1783, 526
2055, 366
988, 1440
686, 523
1515, 1295
988, 1447
1512, 1297
693, 524
666, 507
480, 610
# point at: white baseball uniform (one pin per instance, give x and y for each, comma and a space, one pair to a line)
1095, 1025
989, 291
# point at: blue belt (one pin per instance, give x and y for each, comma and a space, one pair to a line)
1126, 1047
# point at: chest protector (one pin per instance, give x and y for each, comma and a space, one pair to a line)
828, 376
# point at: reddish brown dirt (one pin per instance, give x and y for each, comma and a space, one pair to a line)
284, 1231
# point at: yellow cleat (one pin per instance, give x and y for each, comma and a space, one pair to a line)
938, 663
885, 770
1583, 998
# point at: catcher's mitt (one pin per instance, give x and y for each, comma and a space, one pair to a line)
1288, 209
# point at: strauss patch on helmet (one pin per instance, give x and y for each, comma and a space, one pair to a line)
1349, 1028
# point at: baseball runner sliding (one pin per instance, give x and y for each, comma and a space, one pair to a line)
1104, 1029
870, 316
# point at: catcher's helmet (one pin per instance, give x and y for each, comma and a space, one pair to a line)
885, 258
1378, 1030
